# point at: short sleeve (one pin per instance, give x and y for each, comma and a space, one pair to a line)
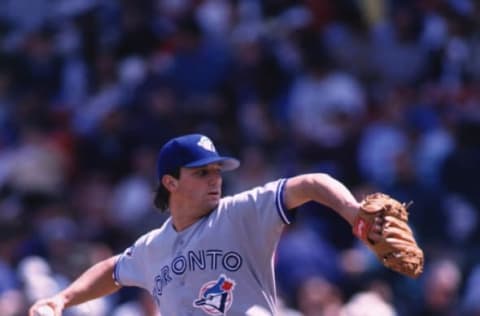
130, 265
261, 211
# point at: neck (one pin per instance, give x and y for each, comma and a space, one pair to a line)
185, 213
184, 216
181, 222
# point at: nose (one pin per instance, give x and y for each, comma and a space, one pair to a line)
214, 178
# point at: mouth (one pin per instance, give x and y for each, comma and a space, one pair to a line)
214, 193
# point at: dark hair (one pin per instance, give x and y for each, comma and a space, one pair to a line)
162, 195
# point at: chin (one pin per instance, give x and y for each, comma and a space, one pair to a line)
213, 203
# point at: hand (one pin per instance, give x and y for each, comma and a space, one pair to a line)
375, 234
382, 224
54, 302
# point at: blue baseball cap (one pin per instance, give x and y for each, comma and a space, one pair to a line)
191, 151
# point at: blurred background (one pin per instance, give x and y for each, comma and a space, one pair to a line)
382, 95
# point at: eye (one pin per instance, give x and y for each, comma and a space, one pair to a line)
202, 172
207, 172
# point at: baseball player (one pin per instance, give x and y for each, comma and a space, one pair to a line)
214, 254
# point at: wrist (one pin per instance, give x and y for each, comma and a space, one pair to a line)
350, 213
61, 300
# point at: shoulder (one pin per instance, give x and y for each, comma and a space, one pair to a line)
271, 186
263, 205
155, 234
270, 191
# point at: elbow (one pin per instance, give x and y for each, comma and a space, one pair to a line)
311, 183
312, 180
306, 188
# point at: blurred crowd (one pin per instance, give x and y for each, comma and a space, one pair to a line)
382, 95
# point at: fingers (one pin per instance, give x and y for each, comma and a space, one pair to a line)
34, 309
389, 227
375, 234
397, 223
378, 224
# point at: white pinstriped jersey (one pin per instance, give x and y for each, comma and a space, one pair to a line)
221, 265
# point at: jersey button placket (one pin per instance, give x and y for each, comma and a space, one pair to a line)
181, 245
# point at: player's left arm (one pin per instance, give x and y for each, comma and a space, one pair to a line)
324, 189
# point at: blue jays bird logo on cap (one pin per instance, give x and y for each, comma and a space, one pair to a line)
216, 297
206, 144
190, 151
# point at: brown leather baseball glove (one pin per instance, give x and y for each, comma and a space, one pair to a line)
397, 248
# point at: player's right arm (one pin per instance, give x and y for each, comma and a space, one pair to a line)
96, 282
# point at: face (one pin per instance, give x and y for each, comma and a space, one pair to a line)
199, 189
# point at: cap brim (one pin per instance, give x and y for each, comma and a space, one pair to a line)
227, 163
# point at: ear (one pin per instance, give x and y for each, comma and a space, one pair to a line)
169, 182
